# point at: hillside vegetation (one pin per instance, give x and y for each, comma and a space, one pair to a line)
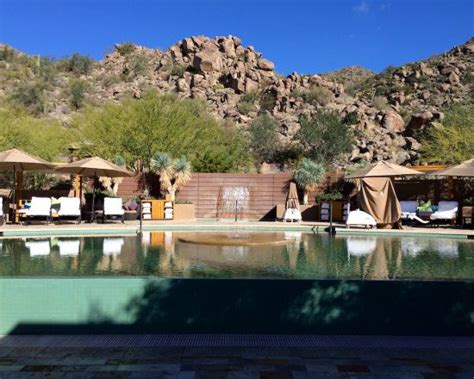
215, 101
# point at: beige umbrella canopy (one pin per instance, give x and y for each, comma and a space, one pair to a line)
465, 169
18, 161
94, 166
292, 200
383, 169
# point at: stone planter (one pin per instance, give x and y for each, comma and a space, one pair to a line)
184, 211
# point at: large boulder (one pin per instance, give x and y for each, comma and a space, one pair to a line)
265, 64
393, 122
208, 59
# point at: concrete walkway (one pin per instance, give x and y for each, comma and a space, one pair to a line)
131, 227
234, 356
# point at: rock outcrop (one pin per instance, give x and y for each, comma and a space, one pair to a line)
238, 83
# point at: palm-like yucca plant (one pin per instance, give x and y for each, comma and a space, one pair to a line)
112, 184
162, 164
174, 174
308, 175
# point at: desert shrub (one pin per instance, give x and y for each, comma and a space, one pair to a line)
264, 140
249, 97
30, 95
380, 103
7, 54
78, 89
267, 101
137, 129
351, 118
318, 95
324, 137
453, 141
245, 107
110, 80
298, 92
78, 64
126, 48
139, 65
177, 69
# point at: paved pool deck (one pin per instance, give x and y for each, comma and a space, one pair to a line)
132, 227
235, 356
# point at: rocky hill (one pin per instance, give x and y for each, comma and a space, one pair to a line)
238, 83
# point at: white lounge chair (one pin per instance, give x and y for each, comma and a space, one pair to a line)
447, 211
292, 214
409, 208
112, 246
360, 246
69, 247
69, 207
39, 207
40, 248
113, 209
360, 218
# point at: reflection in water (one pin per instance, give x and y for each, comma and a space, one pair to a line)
303, 256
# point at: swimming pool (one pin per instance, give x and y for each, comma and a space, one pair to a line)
272, 255
236, 282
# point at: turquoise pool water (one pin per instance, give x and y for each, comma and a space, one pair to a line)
297, 255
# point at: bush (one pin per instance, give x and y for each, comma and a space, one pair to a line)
249, 97
324, 137
380, 103
267, 101
453, 141
30, 95
245, 107
78, 89
264, 138
44, 138
318, 95
139, 65
178, 69
79, 64
136, 129
126, 48
7, 54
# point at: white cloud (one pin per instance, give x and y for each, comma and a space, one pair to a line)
362, 7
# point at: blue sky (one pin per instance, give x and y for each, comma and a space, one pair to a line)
303, 36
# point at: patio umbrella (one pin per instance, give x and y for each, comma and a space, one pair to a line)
292, 200
19, 161
465, 169
94, 167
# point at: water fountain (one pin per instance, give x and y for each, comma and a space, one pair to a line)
233, 203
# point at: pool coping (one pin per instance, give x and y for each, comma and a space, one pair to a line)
133, 230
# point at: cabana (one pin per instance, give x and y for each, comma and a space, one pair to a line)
376, 192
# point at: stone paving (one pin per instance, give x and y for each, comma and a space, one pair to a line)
235, 362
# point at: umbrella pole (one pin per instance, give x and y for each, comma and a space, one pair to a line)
14, 195
93, 200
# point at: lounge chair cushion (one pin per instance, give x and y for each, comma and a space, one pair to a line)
408, 208
292, 214
69, 206
447, 210
360, 218
113, 206
40, 206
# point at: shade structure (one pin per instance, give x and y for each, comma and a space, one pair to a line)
464, 169
383, 169
18, 161
292, 200
378, 198
94, 166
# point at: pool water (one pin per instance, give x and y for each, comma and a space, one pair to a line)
274, 255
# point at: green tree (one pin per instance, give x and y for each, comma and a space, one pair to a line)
137, 129
452, 141
324, 137
79, 64
264, 138
308, 175
78, 89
